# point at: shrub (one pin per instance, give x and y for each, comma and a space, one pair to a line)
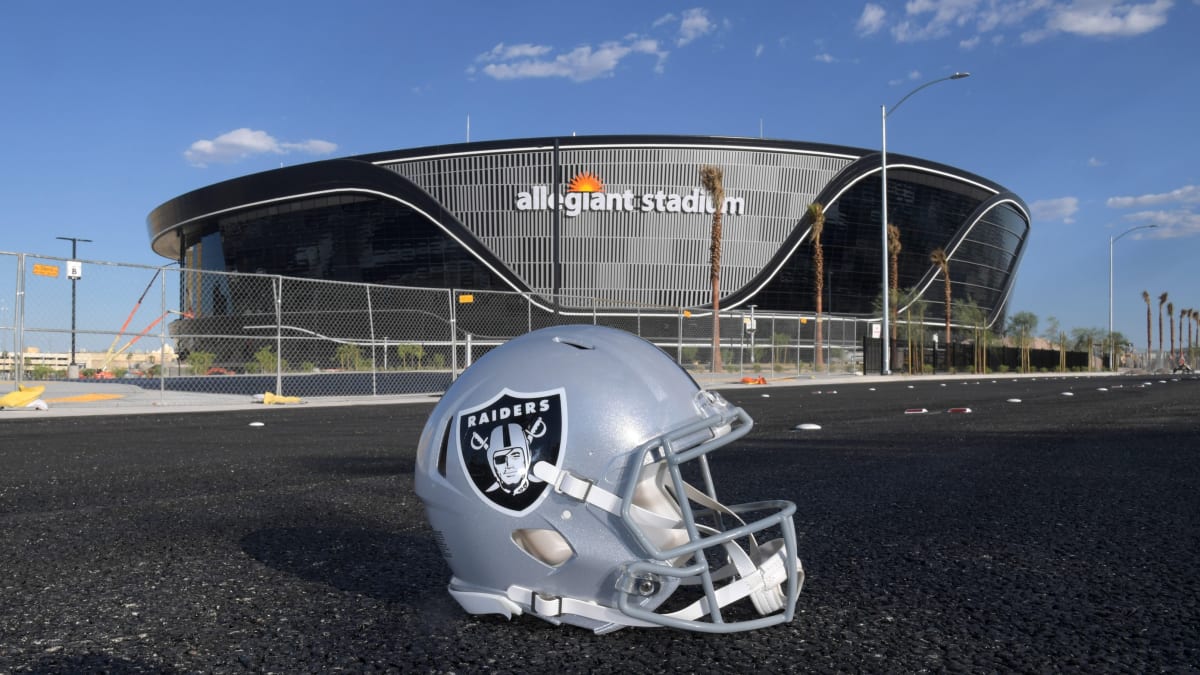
201, 361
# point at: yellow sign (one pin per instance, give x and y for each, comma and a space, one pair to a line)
466, 299
687, 314
803, 320
45, 270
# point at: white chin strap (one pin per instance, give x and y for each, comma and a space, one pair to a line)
761, 572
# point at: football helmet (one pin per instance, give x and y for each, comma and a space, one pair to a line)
565, 474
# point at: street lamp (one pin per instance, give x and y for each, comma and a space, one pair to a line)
884, 112
73, 368
1112, 240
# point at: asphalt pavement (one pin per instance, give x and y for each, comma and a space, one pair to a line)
1053, 527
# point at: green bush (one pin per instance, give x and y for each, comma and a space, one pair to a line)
41, 372
264, 362
201, 361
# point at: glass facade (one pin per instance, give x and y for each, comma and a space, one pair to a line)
338, 238
931, 212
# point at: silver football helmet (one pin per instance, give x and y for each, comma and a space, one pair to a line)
555, 472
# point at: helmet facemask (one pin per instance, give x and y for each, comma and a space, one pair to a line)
707, 552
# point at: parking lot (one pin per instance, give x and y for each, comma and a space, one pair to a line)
1052, 527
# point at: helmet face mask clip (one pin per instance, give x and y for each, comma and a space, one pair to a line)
553, 474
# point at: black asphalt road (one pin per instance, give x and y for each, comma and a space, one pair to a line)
1061, 533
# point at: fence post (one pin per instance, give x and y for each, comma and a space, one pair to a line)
799, 324
468, 348
679, 349
374, 356
162, 339
19, 322
450, 295
277, 289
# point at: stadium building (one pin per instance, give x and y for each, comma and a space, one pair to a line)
620, 218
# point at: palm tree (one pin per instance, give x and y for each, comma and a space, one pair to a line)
1188, 314
1171, 319
1149, 329
1183, 314
1162, 300
894, 248
713, 180
938, 257
1195, 315
817, 213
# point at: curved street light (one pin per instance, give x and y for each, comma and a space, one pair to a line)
1112, 348
887, 347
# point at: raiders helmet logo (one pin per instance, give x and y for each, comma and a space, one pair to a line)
501, 440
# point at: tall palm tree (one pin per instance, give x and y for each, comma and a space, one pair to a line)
938, 257
1171, 319
893, 234
1183, 314
817, 213
1149, 328
713, 180
1196, 321
1162, 300
1191, 337
1190, 314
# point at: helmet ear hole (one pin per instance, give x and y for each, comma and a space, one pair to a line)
546, 546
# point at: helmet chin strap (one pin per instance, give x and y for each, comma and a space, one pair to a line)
761, 572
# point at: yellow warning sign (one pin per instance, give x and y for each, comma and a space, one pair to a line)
45, 270
466, 299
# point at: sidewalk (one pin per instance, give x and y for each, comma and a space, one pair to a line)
75, 399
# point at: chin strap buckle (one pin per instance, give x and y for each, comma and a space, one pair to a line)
575, 488
547, 605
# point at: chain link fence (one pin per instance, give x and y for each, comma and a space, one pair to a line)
206, 331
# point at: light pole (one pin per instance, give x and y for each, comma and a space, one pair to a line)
884, 112
1112, 240
72, 368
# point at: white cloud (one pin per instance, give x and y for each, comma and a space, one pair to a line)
871, 20
758, 51
503, 52
825, 58
245, 142
912, 75
695, 23
1061, 209
1033, 20
1104, 18
580, 64
1171, 224
1096, 162
1181, 221
1188, 194
588, 62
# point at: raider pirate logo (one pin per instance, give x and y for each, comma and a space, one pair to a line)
501, 440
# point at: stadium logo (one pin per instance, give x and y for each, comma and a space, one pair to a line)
585, 192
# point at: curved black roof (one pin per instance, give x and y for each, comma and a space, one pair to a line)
361, 173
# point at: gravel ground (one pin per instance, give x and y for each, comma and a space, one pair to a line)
1055, 534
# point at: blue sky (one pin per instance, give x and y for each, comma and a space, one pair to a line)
1084, 108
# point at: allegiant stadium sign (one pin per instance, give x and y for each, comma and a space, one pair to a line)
585, 193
